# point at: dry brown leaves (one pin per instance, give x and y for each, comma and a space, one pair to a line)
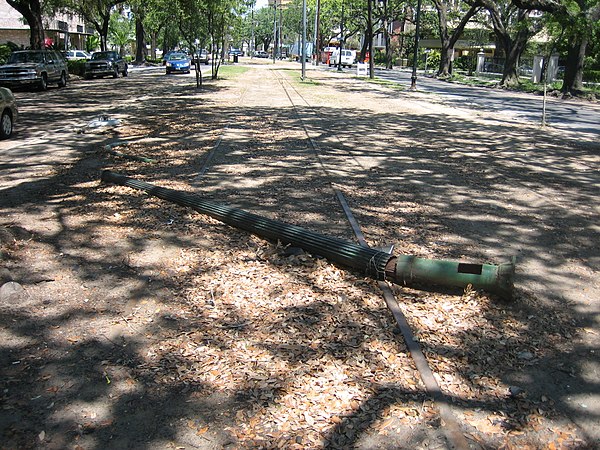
309, 349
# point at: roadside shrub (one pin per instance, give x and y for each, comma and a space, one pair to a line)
76, 67
4, 53
591, 76
379, 57
433, 60
465, 63
6, 50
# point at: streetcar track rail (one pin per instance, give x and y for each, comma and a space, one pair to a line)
451, 427
298, 101
565, 204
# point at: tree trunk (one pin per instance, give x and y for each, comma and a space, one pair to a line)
103, 42
140, 40
32, 13
364, 48
449, 40
104, 31
401, 42
388, 47
445, 59
510, 75
573, 80
153, 39
444, 69
386, 37
370, 37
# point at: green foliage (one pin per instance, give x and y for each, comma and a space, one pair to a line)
263, 27
591, 76
92, 43
433, 60
5, 51
379, 58
465, 63
76, 67
120, 31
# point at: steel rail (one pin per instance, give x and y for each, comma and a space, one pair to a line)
451, 426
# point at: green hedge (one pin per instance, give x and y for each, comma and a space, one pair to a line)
6, 50
591, 76
76, 67
4, 53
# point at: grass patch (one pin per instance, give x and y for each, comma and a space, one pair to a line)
525, 85
382, 82
296, 76
484, 81
230, 71
537, 88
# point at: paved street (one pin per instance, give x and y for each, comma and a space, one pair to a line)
572, 116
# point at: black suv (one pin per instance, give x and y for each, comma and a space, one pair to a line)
34, 68
105, 63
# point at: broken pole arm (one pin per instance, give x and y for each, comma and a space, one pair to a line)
376, 264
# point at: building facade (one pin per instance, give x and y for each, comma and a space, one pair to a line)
64, 31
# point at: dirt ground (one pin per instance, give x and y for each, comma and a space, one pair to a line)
130, 322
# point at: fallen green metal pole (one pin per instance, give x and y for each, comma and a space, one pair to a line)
411, 270
402, 270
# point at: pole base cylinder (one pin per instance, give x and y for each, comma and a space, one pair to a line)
496, 279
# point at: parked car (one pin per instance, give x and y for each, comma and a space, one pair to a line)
166, 56
178, 62
105, 63
261, 54
348, 58
34, 68
8, 113
73, 55
203, 56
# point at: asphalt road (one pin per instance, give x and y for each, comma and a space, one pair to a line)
573, 116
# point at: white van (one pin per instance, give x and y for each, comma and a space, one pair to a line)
348, 58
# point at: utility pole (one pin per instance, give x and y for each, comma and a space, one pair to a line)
303, 52
252, 44
339, 68
316, 44
370, 37
280, 37
413, 78
274, 29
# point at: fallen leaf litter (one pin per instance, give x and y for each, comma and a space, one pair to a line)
306, 348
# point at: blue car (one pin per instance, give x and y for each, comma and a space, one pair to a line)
178, 62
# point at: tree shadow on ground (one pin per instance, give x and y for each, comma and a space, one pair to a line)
81, 378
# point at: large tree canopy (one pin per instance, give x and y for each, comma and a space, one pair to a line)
572, 25
96, 12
